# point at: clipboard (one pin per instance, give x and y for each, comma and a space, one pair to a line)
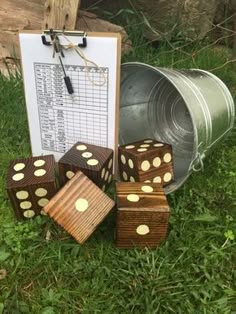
57, 119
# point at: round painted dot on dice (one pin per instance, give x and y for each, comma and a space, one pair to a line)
131, 163
156, 162
39, 163
25, 205
110, 164
167, 177
124, 175
40, 172
22, 195
167, 157
81, 147
70, 174
87, 155
141, 150
147, 189
29, 213
40, 192
129, 146
92, 162
133, 198
18, 177
106, 175
103, 173
145, 165
19, 166
81, 204
142, 230
123, 159
43, 202
157, 179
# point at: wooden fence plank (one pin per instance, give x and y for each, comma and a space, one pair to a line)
61, 14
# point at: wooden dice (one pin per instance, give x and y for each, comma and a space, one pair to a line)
142, 215
146, 161
79, 207
30, 184
94, 161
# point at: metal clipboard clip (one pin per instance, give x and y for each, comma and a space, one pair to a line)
53, 33
58, 49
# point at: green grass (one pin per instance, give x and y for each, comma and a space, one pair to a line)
194, 271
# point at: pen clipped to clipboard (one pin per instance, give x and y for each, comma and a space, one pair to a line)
58, 49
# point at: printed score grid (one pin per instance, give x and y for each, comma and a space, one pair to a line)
66, 118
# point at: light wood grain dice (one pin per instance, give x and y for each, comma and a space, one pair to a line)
94, 161
142, 215
146, 161
30, 184
79, 207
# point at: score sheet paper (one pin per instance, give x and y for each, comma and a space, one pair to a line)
57, 120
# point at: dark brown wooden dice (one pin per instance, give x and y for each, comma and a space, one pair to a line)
146, 161
94, 161
30, 184
79, 207
142, 215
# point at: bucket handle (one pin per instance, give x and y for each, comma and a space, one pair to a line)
198, 164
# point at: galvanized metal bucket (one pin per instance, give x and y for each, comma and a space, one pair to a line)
190, 109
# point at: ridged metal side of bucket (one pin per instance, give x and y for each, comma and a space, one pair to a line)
191, 110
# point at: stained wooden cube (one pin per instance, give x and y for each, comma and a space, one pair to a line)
142, 215
79, 207
30, 184
94, 161
146, 161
